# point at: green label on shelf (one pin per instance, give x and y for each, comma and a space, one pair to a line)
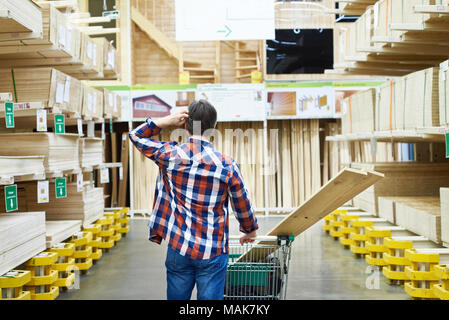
110, 126
447, 144
11, 198
9, 114
59, 123
60, 187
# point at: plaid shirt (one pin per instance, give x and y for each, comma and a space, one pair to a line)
193, 188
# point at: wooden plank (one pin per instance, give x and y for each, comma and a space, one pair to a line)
58, 231
124, 158
444, 199
346, 185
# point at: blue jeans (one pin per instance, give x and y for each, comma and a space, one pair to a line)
183, 272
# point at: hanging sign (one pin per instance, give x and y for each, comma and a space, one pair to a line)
41, 120
11, 198
59, 123
60, 187
42, 192
9, 114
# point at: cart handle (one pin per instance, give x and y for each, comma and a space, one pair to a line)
258, 238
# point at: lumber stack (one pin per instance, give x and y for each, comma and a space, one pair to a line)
87, 205
444, 199
92, 105
111, 61
60, 150
354, 7
59, 231
21, 168
22, 235
91, 152
402, 179
418, 214
20, 19
55, 89
359, 116
112, 104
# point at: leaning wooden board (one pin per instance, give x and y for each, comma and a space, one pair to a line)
342, 188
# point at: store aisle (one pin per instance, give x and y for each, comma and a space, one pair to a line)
320, 269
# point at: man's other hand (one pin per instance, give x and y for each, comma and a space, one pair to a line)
247, 237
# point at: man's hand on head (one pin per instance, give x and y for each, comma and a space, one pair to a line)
248, 237
176, 119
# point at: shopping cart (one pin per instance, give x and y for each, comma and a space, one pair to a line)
261, 277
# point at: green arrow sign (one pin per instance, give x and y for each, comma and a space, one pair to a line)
60, 188
9, 114
228, 30
11, 198
59, 123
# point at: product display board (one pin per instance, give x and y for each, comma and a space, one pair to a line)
235, 102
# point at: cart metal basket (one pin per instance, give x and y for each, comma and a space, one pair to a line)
261, 279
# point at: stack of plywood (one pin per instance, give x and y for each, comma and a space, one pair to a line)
22, 236
60, 150
112, 104
87, 205
92, 105
58, 231
50, 86
402, 179
419, 214
359, 112
111, 66
444, 89
91, 152
21, 168
444, 200
91, 53
409, 102
20, 19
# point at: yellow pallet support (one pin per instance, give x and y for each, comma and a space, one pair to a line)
97, 252
336, 223
441, 290
421, 273
395, 259
83, 250
43, 277
11, 285
347, 228
359, 235
327, 222
65, 265
375, 244
105, 240
116, 225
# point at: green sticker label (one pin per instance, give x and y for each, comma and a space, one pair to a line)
110, 126
9, 114
59, 123
447, 145
60, 187
11, 198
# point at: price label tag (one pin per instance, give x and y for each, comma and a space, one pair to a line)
60, 92
447, 144
90, 128
9, 114
41, 120
67, 90
120, 173
60, 187
11, 200
184, 77
104, 175
43, 192
79, 124
256, 76
79, 182
59, 123
103, 134
373, 145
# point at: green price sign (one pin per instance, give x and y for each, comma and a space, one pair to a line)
59, 123
9, 114
447, 144
11, 198
60, 187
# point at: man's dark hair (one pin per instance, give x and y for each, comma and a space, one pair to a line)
203, 112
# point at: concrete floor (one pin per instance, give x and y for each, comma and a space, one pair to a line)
320, 269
